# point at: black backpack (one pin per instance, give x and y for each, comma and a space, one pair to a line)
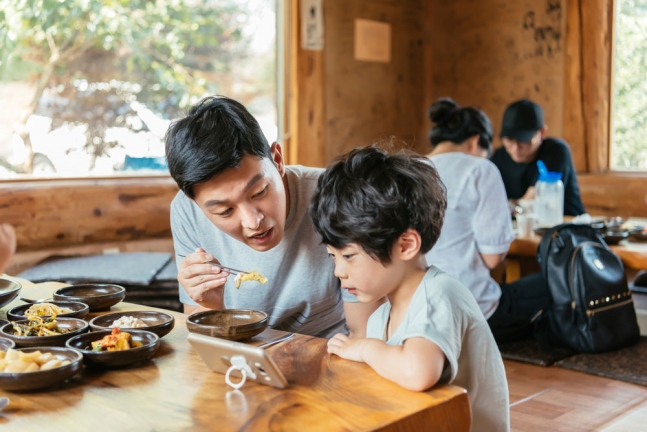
592, 309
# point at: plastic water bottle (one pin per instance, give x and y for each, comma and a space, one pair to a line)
549, 197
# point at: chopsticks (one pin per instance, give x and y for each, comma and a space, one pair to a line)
229, 269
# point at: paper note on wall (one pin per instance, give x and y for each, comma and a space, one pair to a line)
372, 41
312, 26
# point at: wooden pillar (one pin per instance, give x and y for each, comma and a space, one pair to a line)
589, 49
306, 99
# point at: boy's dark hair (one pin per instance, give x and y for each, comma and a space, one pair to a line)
214, 136
456, 124
370, 197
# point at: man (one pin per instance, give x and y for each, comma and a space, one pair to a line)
524, 143
239, 205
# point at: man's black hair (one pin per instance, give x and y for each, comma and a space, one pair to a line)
371, 197
214, 136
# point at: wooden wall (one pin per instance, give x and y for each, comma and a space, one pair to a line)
87, 216
339, 103
367, 100
489, 53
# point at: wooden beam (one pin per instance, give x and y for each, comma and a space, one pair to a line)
307, 104
614, 194
597, 27
60, 213
573, 104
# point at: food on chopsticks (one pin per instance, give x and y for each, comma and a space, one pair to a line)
116, 341
251, 276
14, 361
37, 326
128, 322
45, 309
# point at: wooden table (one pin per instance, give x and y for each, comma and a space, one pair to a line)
632, 254
176, 391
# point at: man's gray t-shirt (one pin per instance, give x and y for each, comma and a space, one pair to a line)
443, 311
301, 294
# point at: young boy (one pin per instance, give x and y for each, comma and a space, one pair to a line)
379, 214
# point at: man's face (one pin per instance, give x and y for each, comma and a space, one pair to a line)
248, 203
523, 152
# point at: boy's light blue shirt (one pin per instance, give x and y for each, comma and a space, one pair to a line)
444, 312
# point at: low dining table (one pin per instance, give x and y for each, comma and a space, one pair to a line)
633, 254
176, 391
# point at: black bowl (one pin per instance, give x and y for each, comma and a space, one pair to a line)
20, 381
112, 359
78, 326
615, 236
231, 324
6, 344
97, 296
614, 222
638, 234
9, 290
79, 310
159, 323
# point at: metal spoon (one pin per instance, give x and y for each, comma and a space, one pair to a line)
4, 402
277, 340
32, 301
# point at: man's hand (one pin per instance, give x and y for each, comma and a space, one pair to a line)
203, 281
345, 347
7, 245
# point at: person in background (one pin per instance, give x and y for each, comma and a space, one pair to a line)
7, 245
378, 214
523, 134
240, 205
477, 231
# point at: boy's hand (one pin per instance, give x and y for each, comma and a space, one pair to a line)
345, 347
203, 281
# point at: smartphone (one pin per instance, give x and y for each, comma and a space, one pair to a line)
217, 354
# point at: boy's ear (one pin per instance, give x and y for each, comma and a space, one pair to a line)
277, 157
408, 245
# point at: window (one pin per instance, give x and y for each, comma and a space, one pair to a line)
89, 87
629, 122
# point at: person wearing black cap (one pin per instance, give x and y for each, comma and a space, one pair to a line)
523, 135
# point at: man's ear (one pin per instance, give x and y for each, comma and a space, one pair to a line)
277, 157
543, 130
408, 245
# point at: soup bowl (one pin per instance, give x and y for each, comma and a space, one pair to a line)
231, 324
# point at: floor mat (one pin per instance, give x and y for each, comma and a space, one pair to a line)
626, 364
134, 268
529, 351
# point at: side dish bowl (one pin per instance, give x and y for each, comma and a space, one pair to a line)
6, 343
614, 236
159, 323
22, 381
231, 324
98, 297
9, 290
79, 310
112, 359
75, 325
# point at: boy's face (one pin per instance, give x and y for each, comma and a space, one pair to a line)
248, 203
362, 275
